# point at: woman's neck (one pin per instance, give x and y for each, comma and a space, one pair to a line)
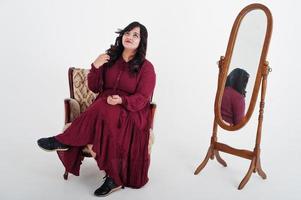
127, 55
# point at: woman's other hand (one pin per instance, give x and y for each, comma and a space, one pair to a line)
114, 100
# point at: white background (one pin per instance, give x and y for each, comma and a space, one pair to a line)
40, 40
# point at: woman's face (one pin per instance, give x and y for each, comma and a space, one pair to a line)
131, 39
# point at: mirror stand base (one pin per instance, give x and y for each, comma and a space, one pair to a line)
254, 156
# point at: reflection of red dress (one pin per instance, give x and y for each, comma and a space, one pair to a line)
119, 133
233, 106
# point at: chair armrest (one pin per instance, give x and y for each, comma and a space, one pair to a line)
72, 109
151, 118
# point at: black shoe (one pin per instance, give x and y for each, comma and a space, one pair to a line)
107, 188
51, 144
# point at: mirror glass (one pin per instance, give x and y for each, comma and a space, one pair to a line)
243, 67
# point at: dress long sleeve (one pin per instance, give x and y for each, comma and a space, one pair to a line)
95, 79
144, 91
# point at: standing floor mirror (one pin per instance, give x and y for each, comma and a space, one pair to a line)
243, 68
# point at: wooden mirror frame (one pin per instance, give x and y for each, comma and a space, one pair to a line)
225, 62
261, 79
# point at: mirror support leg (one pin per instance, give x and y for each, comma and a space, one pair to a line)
255, 165
219, 159
203, 164
210, 153
265, 72
248, 175
259, 169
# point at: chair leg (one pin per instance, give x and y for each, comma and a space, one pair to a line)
65, 175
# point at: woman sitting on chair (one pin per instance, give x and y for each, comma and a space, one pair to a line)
115, 126
233, 102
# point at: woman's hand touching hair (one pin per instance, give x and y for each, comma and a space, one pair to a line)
101, 59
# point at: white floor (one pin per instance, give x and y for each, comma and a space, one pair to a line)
30, 173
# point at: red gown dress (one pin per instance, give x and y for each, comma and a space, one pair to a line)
119, 133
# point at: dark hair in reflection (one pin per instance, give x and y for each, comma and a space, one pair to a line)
238, 80
116, 50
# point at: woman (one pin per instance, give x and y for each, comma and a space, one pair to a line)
233, 102
115, 126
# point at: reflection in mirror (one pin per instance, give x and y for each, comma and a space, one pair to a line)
233, 102
246, 55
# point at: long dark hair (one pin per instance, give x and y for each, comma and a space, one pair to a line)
116, 50
238, 80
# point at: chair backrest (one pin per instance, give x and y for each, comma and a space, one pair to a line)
78, 85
